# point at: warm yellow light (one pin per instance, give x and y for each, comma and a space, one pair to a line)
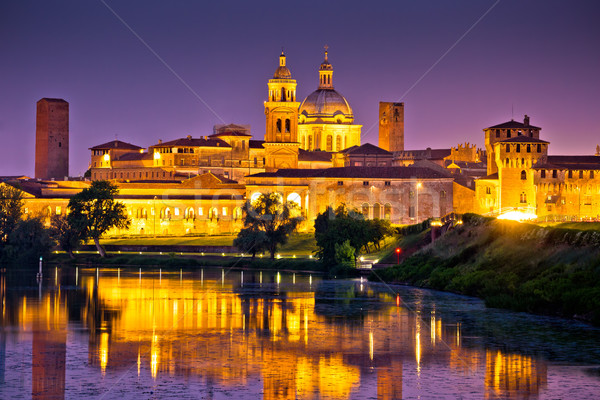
419, 185
107, 157
156, 155
517, 216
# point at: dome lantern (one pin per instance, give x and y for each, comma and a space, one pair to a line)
326, 73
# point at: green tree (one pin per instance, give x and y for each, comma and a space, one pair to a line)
93, 211
335, 227
11, 211
269, 214
67, 237
378, 230
251, 240
29, 241
345, 254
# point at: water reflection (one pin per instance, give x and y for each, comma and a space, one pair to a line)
257, 334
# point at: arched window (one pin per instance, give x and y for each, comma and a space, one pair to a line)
338, 143
294, 198
213, 213
144, 214
507, 162
288, 125
518, 148
376, 211
508, 148
189, 213
523, 175
387, 211
508, 133
365, 210
523, 198
278, 126
329, 142
255, 197
282, 94
237, 213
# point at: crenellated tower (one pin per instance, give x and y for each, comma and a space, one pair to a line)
281, 113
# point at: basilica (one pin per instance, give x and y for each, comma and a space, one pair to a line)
312, 154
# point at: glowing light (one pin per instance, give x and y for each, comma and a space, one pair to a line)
103, 352
156, 155
106, 157
371, 345
517, 216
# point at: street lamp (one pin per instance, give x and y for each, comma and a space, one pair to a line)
398, 251
418, 187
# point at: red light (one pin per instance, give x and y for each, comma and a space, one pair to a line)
398, 300
398, 250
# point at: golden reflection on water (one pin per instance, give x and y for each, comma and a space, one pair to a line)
170, 325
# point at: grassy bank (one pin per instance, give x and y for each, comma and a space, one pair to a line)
545, 270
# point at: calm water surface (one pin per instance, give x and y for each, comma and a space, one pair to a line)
216, 334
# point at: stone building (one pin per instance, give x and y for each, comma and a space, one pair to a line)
391, 126
52, 139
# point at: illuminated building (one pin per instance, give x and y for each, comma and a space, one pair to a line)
52, 139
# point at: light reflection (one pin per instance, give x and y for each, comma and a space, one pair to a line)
103, 352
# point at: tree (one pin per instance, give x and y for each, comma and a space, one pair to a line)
337, 226
345, 255
68, 237
28, 242
269, 214
93, 211
11, 210
251, 240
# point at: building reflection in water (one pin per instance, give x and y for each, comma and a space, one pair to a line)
231, 335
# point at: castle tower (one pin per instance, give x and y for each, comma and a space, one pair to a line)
281, 113
507, 130
52, 139
391, 126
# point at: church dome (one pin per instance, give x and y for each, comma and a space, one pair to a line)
325, 103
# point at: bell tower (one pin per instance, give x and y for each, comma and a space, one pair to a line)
281, 114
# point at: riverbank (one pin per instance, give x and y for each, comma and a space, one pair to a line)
522, 267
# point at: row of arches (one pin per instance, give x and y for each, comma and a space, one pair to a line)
190, 213
377, 211
282, 94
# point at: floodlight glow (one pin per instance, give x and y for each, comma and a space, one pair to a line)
517, 216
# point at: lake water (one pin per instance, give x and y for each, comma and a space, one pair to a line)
218, 334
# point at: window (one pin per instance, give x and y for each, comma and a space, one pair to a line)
200, 211
580, 174
508, 148
287, 126
488, 190
376, 211
58, 210
411, 211
529, 148
177, 211
523, 175
255, 161
278, 126
508, 133
497, 133
523, 198
224, 211
365, 183
387, 211
554, 173
519, 133
539, 148
570, 174
365, 210
329, 145
518, 148
411, 194
543, 173
387, 183
340, 183
591, 174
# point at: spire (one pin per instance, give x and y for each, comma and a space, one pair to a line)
282, 58
282, 72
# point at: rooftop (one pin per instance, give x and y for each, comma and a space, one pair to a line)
116, 144
356, 173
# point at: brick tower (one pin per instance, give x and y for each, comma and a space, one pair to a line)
391, 126
52, 139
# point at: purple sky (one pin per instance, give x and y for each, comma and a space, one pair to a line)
539, 57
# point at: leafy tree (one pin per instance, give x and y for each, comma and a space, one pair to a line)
93, 211
28, 241
251, 240
335, 227
270, 215
68, 237
378, 229
11, 210
344, 254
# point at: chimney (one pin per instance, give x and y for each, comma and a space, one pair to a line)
189, 137
159, 141
526, 120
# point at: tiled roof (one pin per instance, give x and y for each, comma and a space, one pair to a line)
366, 149
490, 177
135, 156
571, 162
512, 124
116, 144
193, 142
356, 172
428, 154
256, 144
522, 139
304, 155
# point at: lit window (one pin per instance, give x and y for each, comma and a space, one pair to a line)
200, 211
58, 210
224, 211
176, 210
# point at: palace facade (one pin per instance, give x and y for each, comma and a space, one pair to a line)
312, 155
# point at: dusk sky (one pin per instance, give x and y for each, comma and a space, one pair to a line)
459, 66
